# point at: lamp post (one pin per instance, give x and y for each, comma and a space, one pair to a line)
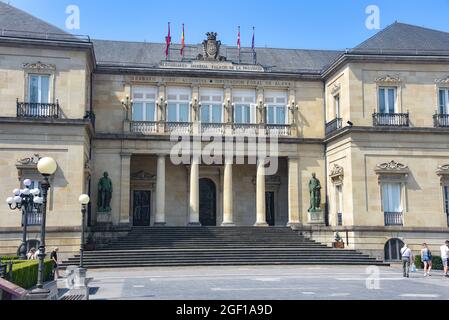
24, 200
84, 201
47, 167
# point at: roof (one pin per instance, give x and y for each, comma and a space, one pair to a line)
406, 38
18, 23
151, 54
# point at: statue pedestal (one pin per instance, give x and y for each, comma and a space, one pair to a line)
316, 217
104, 218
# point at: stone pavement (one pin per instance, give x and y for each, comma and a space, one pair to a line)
266, 283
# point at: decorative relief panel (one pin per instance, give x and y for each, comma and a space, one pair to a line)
392, 171
337, 174
443, 173
388, 79
39, 67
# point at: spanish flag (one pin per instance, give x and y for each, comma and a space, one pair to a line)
183, 41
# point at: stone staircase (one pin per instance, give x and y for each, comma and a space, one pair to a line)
203, 246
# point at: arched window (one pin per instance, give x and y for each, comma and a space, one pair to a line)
393, 250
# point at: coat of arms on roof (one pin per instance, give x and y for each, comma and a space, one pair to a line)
211, 48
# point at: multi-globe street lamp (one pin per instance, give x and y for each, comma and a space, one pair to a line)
84, 201
25, 200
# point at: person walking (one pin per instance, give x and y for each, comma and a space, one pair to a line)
32, 254
445, 257
54, 259
407, 257
426, 258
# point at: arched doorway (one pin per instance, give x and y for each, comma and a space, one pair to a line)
208, 203
393, 250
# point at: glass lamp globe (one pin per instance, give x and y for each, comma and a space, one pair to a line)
26, 192
10, 200
47, 166
27, 182
84, 199
16, 192
35, 192
17, 199
38, 200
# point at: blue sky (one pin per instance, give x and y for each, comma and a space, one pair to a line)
313, 24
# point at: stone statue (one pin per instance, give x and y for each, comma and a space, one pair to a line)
315, 194
104, 193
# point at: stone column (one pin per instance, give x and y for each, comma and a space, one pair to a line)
160, 191
260, 195
125, 185
228, 200
194, 216
293, 192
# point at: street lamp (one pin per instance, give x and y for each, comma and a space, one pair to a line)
84, 201
47, 167
25, 200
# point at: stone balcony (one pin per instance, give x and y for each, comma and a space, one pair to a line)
213, 129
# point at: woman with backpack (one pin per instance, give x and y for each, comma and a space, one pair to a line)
426, 258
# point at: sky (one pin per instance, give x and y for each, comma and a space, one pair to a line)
312, 24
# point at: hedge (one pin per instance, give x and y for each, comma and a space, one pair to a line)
24, 274
7, 258
437, 264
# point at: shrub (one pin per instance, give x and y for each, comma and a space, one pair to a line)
9, 258
437, 264
24, 274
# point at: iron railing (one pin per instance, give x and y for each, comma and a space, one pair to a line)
144, 127
334, 125
213, 128
394, 219
441, 120
38, 110
178, 127
391, 119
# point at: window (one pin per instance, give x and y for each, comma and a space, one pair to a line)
337, 106
178, 109
387, 100
211, 106
144, 104
391, 197
446, 202
276, 102
443, 101
339, 206
244, 106
39, 88
393, 250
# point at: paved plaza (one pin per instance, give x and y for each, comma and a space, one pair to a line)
266, 283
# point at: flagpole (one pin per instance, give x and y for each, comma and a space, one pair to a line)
238, 44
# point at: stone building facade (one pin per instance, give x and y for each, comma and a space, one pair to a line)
371, 123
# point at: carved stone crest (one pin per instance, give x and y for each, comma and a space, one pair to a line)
337, 174
31, 161
392, 166
39, 66
392, 171
211, 48
143, 176
388, 79
442, 81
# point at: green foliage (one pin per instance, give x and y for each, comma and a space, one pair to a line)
437, 264
24, 273
9, 258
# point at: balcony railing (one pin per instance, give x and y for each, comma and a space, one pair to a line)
178, 127
334, 125
213, 128
38, 110
246, 129
391, 119
441, 120
144, 127
279, 130
34, 219
394, 219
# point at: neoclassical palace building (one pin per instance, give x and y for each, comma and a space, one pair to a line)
371, 122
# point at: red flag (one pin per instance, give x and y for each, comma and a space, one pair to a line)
183, 40
238, 43
167, 41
